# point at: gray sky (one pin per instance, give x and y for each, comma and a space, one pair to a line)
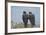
17, 11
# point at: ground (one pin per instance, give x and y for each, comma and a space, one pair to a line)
21, 25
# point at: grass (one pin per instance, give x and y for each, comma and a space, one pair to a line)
20, 25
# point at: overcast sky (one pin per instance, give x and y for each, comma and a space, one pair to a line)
17, 11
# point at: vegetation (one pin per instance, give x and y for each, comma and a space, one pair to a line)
20, 25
